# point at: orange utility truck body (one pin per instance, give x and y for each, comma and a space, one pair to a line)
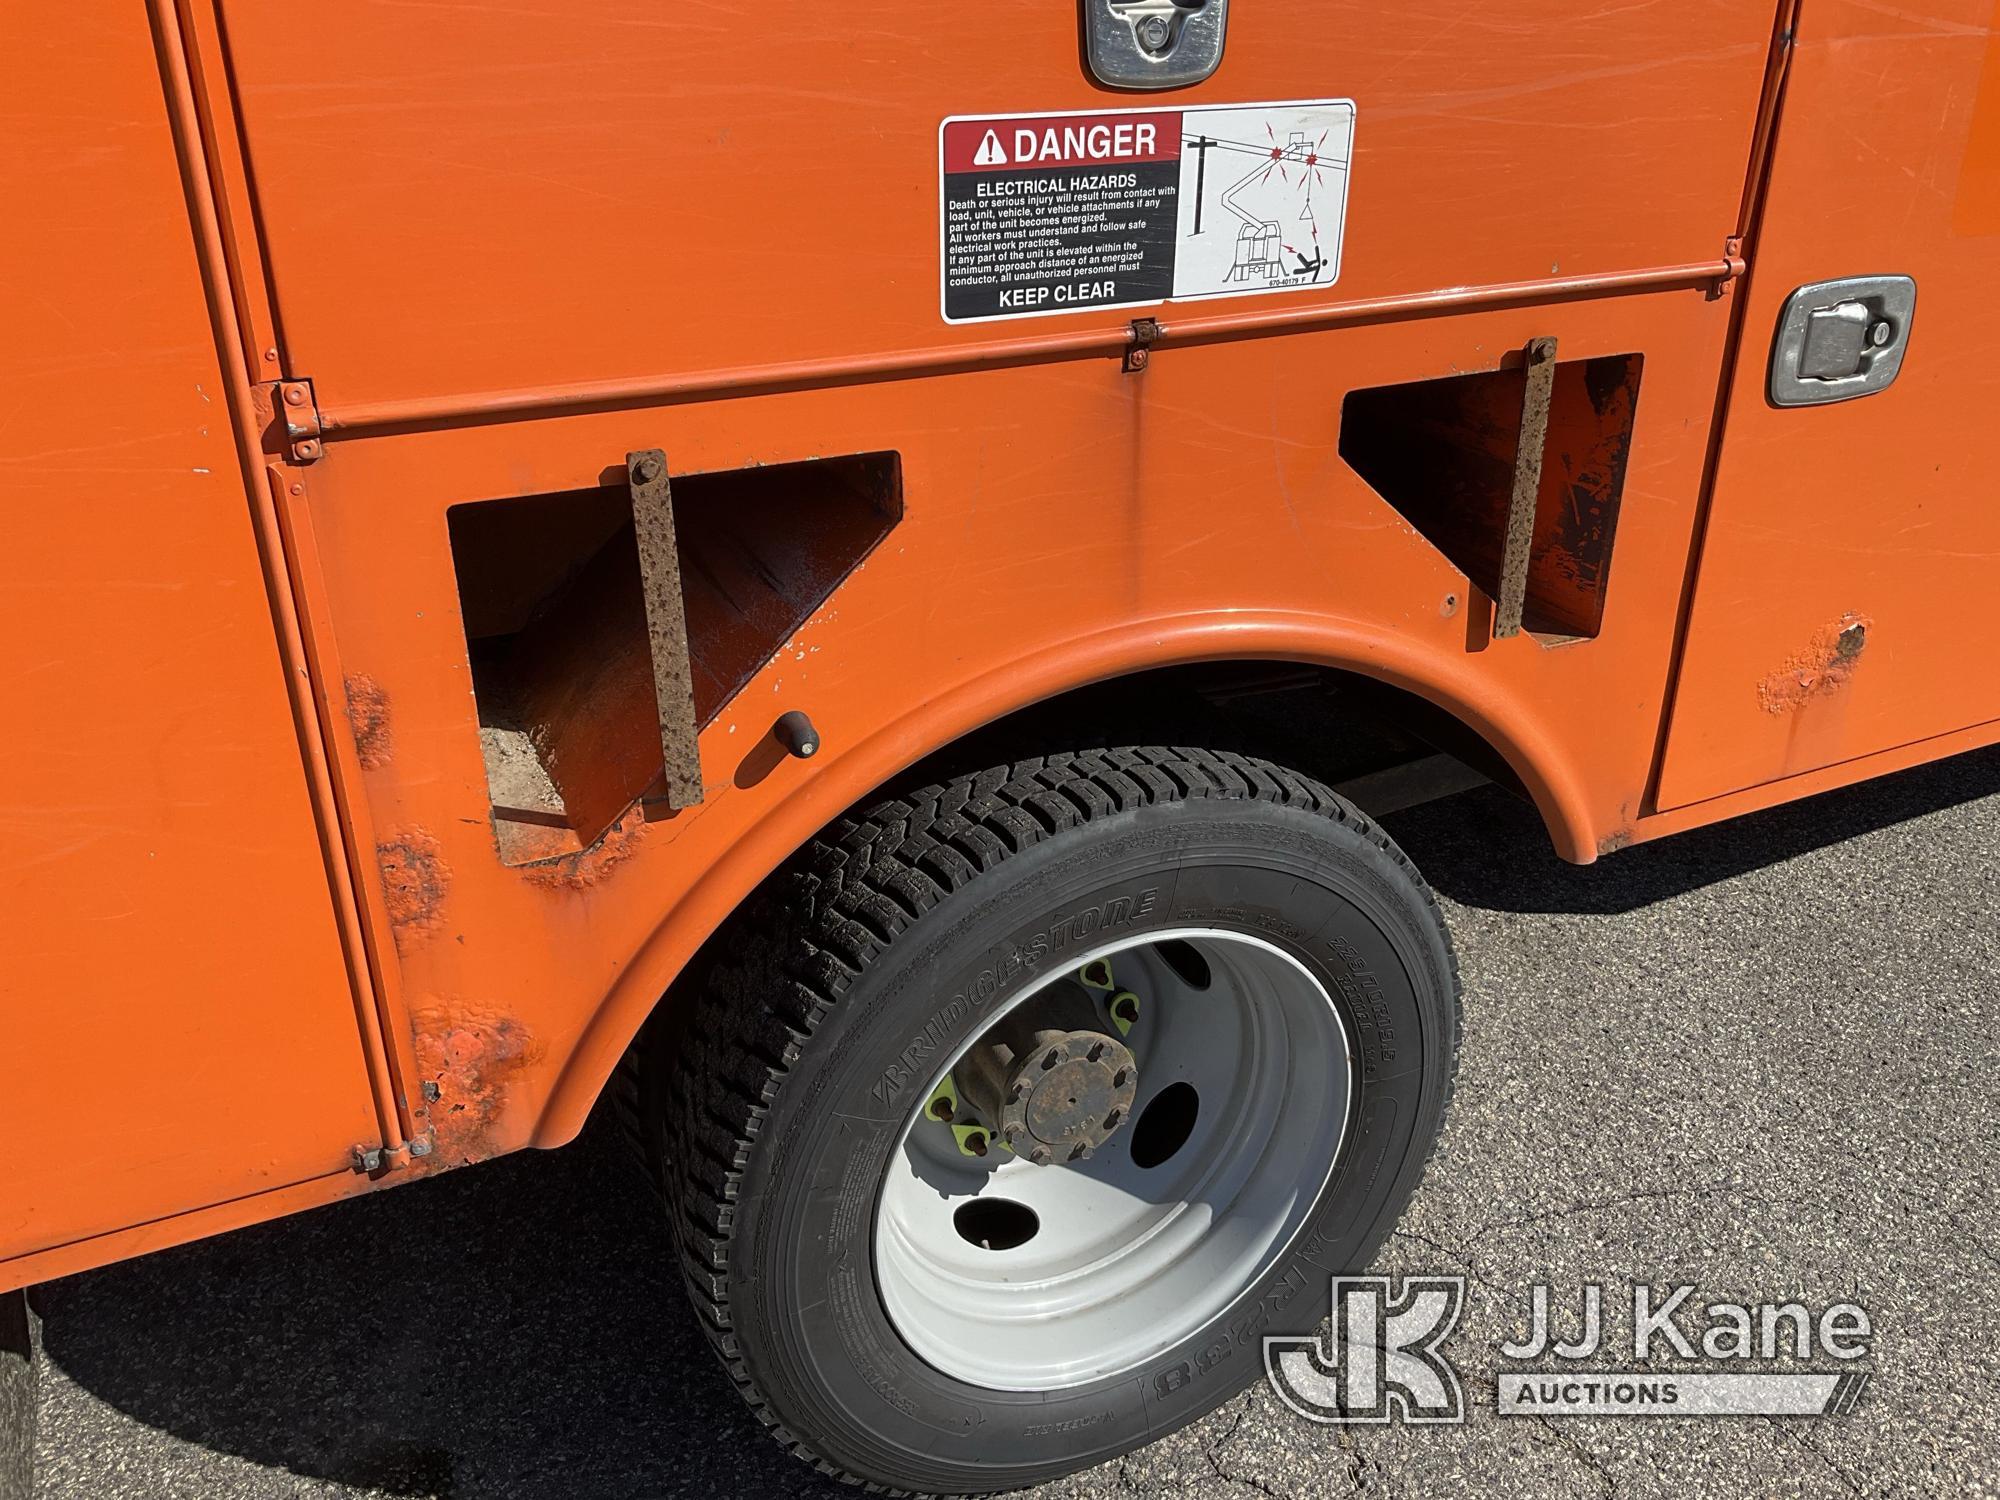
441, 445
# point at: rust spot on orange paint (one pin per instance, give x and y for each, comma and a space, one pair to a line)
587, 867
1821, 670
1612, 842
414, 880
368, 717
470, 1058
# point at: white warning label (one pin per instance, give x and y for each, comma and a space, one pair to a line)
1122, 208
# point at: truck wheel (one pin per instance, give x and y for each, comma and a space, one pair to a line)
1017, 1111
20, 1348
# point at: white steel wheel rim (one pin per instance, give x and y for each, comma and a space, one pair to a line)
1126, 1261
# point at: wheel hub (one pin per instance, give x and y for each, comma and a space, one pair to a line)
1069, 1098
1049, 1079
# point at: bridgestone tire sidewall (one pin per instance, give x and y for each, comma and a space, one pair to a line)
813, 1328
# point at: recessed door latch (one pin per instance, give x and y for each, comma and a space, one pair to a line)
1841, 339
1154, 44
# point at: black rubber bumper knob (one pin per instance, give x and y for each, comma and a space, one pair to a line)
796, 733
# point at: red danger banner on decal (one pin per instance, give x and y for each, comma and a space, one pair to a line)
1061, 141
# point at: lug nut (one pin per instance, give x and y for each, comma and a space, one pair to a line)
941, 1110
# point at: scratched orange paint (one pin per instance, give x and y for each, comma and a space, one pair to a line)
256, 916
1977, 210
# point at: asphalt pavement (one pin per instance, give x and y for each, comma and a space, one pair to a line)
1759, 1058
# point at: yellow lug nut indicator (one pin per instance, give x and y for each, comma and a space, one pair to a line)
1123, 1004
943, 1106
973, 1138
1124, 1011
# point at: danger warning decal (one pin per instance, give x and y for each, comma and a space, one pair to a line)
1121, 208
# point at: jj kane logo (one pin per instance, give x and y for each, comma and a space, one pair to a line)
1380, 1356
1383, 1357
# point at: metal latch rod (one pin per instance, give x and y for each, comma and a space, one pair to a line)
666, 625
1540, 386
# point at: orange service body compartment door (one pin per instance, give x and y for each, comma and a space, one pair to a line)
474, 216
1845, 598
176, 1026
531, 198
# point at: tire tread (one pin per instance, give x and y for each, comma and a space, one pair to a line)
794, 950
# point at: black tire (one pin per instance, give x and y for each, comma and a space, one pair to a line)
771, 1112
20, 1348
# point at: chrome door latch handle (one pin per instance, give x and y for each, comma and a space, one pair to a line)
1154, 44
1841, 339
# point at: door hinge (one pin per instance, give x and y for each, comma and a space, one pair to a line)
293, 403
1139, 352
374, 1161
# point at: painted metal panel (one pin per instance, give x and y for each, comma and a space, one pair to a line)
465, 200
176, 1027
483, 198
1845, 597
